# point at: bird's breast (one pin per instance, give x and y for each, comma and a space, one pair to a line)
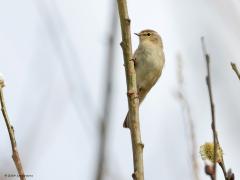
150, 58
150, 62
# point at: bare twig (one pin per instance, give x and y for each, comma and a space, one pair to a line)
235, 69
104, 121
189, 121
208, 81
215, 136
223, 169
133, 101
15, 155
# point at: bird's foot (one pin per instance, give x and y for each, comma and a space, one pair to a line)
134, 61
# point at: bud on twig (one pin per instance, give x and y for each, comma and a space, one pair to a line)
1, 80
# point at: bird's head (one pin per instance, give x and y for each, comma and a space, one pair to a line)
149, 35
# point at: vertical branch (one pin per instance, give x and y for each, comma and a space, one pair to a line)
228, 176
15, 155
208, 81
235, 69
189, 120
104, 121
133, 101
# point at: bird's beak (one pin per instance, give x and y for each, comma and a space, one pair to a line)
137, 34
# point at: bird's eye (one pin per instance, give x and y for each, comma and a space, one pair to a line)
148, 34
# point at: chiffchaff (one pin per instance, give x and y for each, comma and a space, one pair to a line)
149, 61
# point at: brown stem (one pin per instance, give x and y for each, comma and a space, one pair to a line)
215, 136
133, 101
15, 154
221, 164
208, 81
235, 69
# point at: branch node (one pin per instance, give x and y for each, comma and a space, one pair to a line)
12, 128
207, 80
122, 44
128, 21
235, 69
141, 144
135, 175
132, 94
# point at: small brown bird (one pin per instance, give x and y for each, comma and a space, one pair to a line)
149, 61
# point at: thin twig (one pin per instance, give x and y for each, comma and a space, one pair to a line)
208, 81
189, 121
235, 69
108, 84
215, 136
223, 169
133, 101
15, 154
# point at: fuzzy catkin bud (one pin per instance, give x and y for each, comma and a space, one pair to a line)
207, 152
